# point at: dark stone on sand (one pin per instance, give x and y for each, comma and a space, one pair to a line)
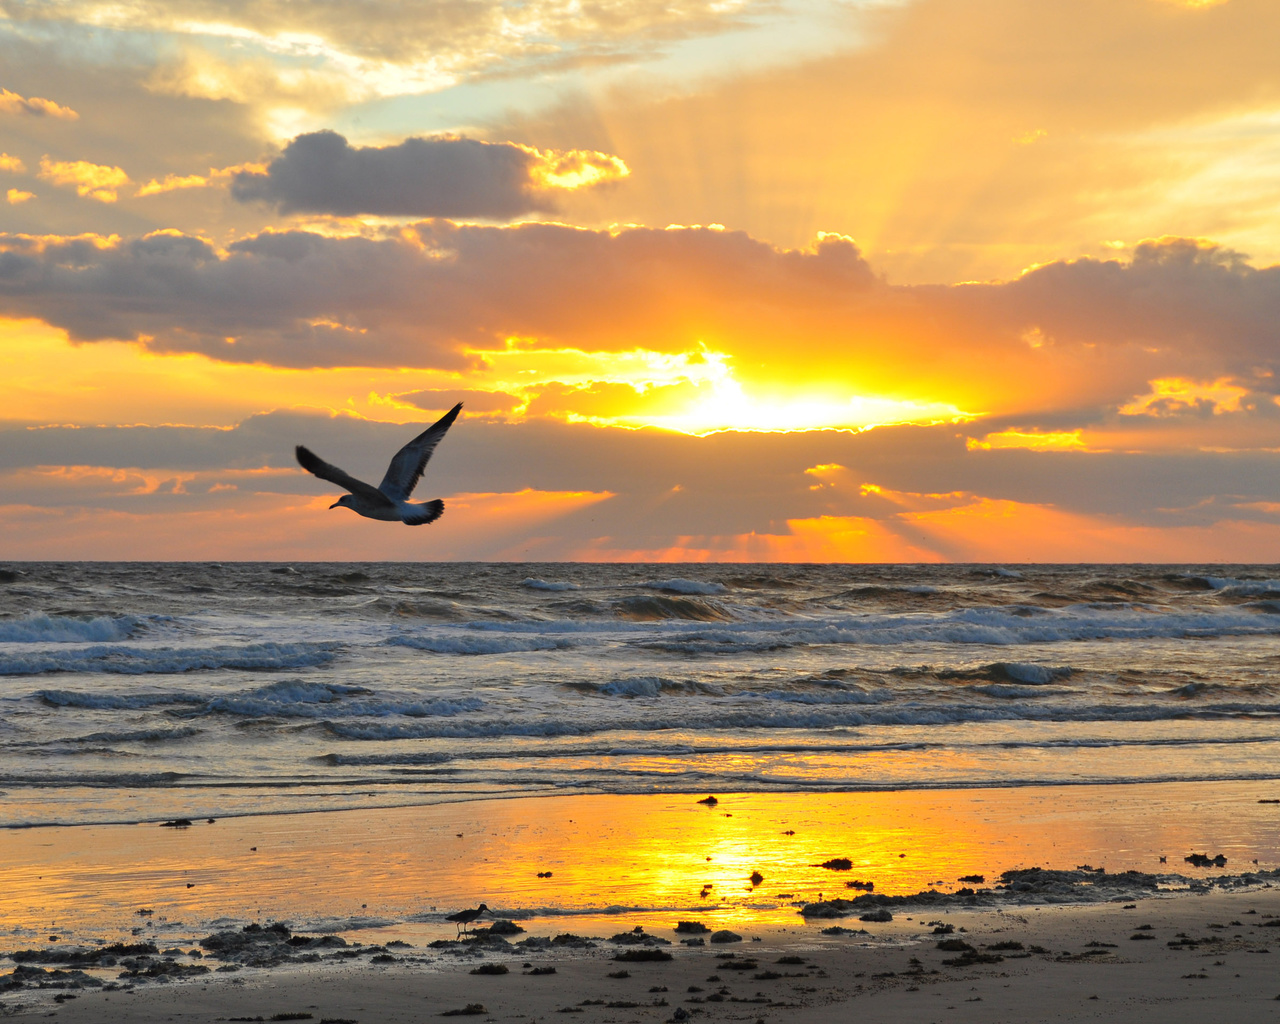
620, 975
710, 801
879, 916
176, 823
692, 928
756, 878
724, 935
693, 942
539, 971
470, 1010
857, 883
503, 927
644, 954
491, 969
975, 879
837, 864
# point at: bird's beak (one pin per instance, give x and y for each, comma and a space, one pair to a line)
335, 504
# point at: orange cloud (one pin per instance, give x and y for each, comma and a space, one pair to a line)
12, 103
94, 181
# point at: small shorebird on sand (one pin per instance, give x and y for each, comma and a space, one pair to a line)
464, 917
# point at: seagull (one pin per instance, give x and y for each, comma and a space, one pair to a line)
464, 917
389, 501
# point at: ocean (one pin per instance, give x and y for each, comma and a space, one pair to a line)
134, 692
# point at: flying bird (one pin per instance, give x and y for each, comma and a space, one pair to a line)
464, 917
389, 501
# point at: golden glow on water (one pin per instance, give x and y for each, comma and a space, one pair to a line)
654, 854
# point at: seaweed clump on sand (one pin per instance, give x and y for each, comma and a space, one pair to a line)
1084, 884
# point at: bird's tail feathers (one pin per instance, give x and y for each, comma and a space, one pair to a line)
428, 512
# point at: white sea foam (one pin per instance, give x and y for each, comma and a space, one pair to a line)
67, 629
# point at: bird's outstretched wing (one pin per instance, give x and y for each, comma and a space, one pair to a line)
406, 468
312, 463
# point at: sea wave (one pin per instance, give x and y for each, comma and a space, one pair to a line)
259, 657
537, 584
43, 628
481, 644
679, 585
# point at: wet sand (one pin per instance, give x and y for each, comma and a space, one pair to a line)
404, 869
1210, 958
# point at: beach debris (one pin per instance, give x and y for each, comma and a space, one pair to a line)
691, 928
1200, 860
491, 969
724, 935
539, 971
638, 937
879, 916
470, 1010
618, 974
756, 878
643, 955
144, 911
176, 823
544, 874
857, 883
973, 879
835, 864
502, 927
791, 831
710, 801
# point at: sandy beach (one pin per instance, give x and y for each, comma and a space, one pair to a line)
1208, 958
1054, 903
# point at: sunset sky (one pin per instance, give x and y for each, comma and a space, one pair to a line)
800, 280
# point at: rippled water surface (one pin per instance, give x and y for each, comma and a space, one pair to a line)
147, 691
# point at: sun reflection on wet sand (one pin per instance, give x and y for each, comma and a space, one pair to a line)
608, 855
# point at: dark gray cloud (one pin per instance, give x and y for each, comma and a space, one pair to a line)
437, 177
665, 485
1069, 335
